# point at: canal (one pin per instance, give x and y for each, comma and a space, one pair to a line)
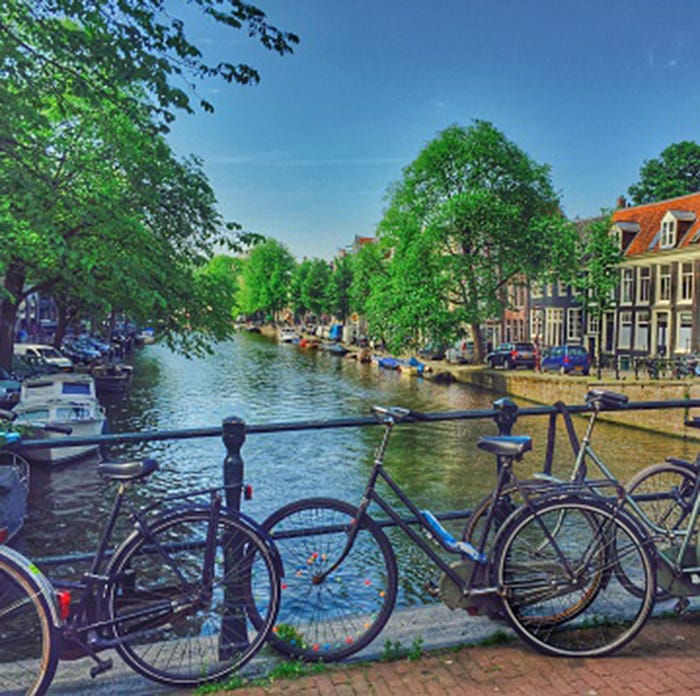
262, 381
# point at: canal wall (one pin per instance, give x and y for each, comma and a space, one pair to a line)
572, 389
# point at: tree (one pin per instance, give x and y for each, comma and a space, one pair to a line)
100, 211
601, 258
676, 172
97, 49
339, 289
266, 278
472, 214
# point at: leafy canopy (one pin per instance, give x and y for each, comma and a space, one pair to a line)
676, 172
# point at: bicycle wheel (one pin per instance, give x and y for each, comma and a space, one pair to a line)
558, 559
28, 637
334, 617
662, 496
176, 629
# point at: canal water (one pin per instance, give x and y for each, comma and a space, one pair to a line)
262, 381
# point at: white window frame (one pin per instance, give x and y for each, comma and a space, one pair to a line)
626, 286
553, 325
644, 285
664, 283
684, 338
573, 324
685, 281
624, 333
642, 328
667, 239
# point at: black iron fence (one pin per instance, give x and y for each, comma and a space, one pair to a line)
234, 432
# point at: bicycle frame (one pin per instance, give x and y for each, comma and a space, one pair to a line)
87, 619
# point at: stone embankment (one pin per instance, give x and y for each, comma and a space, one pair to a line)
571, 389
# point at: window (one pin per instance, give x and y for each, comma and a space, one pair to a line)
573, 324
665, 282
641, 333
536, 324
627, 286
624, 339
685, 332
554, 321
536, 290
561, 289
668, 233
644, 286
685, 287
593, 324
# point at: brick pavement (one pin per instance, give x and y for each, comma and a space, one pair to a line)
661, 660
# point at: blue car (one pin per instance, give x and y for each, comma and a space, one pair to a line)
566, 359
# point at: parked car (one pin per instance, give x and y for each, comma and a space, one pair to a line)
566, 359
44, 352
432, 352
9, 389
460, 352
512, 355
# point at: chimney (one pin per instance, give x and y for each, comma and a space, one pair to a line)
621, 202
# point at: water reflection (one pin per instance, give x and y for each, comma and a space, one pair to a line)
262, 381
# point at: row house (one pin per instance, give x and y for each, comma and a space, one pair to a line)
657, 302
657, 299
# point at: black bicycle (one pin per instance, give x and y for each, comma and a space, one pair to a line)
552, 570
188, 597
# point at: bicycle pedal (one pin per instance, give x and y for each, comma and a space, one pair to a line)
681, 606
101, 667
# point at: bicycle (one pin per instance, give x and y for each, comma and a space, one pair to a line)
549, 571
657, 495
175, 598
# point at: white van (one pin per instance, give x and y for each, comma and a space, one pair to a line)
48, 353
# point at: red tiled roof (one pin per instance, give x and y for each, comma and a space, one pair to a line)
649, 217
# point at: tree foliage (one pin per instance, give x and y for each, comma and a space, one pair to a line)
676, 172
266, 279
472, 214
97, 49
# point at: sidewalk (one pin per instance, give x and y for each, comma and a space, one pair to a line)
661, 660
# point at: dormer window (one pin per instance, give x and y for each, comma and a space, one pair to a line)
625, 232
668, 234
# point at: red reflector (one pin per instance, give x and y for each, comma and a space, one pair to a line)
3, 535
63, 597
247, 492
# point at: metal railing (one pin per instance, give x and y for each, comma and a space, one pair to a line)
234, 432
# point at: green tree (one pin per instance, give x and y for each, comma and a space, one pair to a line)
472, 214
676, 172
338, 293
266, 279
99, 210
98, 49
601, 257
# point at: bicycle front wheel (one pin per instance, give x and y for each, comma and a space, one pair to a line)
176, 625
561, 559
330, 617
28, 638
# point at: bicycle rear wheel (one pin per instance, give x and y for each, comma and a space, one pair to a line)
563, 554
330, 618
28, 638
173, 626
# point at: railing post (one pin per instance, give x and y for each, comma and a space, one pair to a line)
234, 437
233, 623
505, 416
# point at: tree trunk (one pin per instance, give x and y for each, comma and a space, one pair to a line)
13, 284
479, 353
61, 326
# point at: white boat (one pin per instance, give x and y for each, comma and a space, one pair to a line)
287, 334
67, 401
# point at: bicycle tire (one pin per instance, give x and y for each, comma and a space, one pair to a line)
341, 615
201, 640
28, 634
533, 580
664, 493
663, 500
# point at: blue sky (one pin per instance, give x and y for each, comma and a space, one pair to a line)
591, 88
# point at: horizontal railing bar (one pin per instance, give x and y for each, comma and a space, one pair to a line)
335, 423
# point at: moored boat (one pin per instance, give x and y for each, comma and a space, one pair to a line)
65, 404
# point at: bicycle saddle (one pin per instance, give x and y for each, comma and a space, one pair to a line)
506, 445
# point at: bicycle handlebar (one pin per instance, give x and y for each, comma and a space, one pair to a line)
693, 422
397, 413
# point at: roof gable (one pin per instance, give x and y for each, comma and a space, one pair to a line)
685, 209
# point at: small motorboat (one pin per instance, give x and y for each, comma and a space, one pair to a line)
287, 334
66, 403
